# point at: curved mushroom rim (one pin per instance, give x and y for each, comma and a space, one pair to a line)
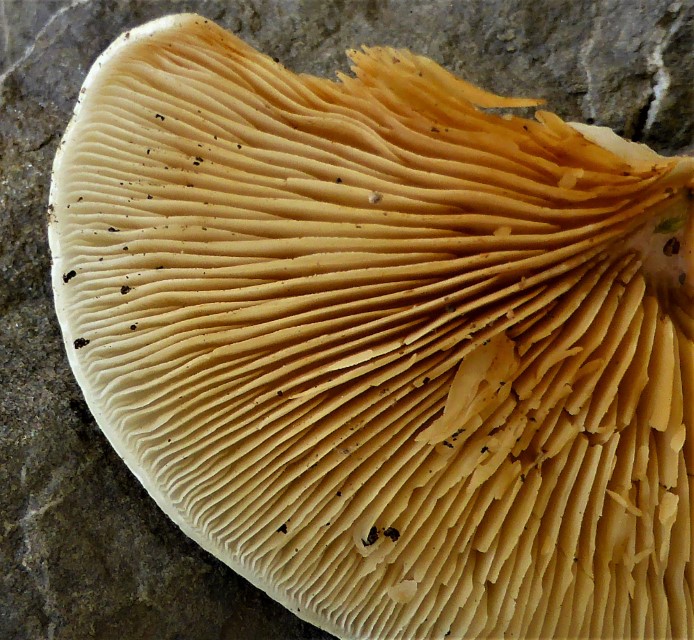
142, 32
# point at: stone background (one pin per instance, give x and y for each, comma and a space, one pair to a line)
84, 553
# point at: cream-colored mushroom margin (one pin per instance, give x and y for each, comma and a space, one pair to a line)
415, 368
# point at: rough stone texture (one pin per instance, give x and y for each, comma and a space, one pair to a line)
84, 553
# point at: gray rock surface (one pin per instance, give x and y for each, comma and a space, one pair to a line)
84, 552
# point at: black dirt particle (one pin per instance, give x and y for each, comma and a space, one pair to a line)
682, 278
69, 276
339, 494
149, 197
484, 449
445, 443
371, 538
133, 327
392, 533
125, 289
113, 230
81, 342
338, 180
161, 117
671, 247
283, 528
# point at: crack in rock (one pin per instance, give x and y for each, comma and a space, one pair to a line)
32, 45
584, 57
661, 75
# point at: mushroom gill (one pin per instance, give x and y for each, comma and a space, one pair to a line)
414, 367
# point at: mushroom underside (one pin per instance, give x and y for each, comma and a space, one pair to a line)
415, 367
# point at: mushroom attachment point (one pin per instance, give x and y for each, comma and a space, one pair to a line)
414, 367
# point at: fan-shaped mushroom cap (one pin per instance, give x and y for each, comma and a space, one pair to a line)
412, 367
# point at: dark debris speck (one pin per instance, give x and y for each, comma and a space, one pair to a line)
671, 247
371, 538
392, 533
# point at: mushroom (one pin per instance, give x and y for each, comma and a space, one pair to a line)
413, 364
